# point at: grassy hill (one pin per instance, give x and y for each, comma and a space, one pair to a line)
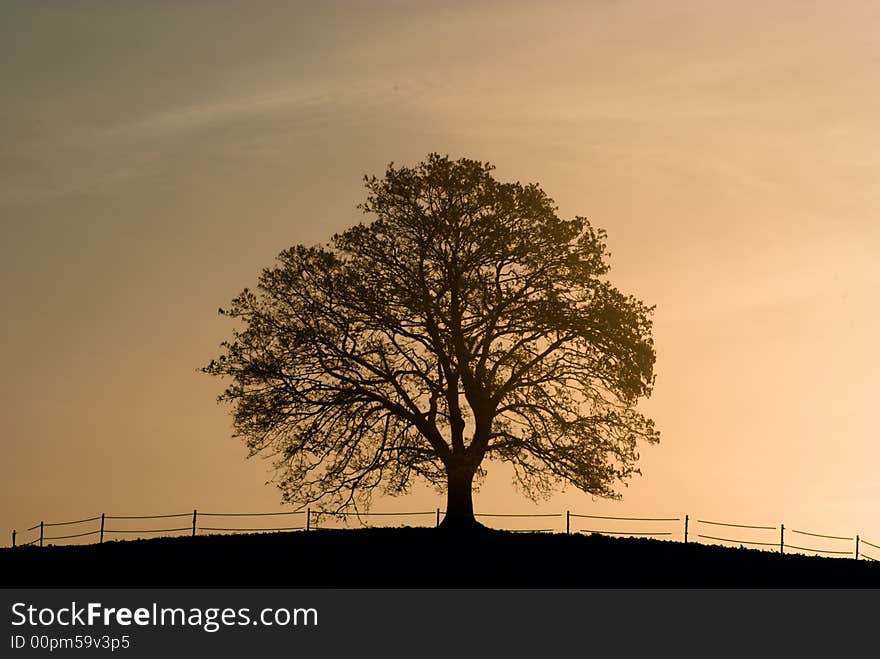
417, 557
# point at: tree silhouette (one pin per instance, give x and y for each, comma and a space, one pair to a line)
465, 321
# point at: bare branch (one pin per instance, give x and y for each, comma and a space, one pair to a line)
465, 320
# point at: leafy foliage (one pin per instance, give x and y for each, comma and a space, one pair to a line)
465, 321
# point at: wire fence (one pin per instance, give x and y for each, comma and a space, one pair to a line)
676, 528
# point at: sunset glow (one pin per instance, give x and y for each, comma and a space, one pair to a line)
156, 156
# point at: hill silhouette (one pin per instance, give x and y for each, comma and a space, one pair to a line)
418, 557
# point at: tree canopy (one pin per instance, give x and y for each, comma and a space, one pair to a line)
464, 321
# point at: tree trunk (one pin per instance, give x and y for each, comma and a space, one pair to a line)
459, 499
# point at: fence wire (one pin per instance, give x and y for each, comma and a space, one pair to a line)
182, 528
292, 512
821, 551
359, 514
819, 535
633, 533
516, 515
629, 519
76, 521
742, 542
220, 528
739, 526
147, 516
64, 537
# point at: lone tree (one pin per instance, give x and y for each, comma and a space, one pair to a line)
465, 321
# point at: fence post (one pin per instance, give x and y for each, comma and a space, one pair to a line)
567, 522
195, 514
308, 519
41, 533
857, 544
438, 517
685, 529
782, 538
13, 541
101, 541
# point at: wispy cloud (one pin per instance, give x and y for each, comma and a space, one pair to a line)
219, 110
81, 157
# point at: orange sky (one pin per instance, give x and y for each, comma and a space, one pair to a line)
154, 157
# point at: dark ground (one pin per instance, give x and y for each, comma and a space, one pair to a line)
421, 558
